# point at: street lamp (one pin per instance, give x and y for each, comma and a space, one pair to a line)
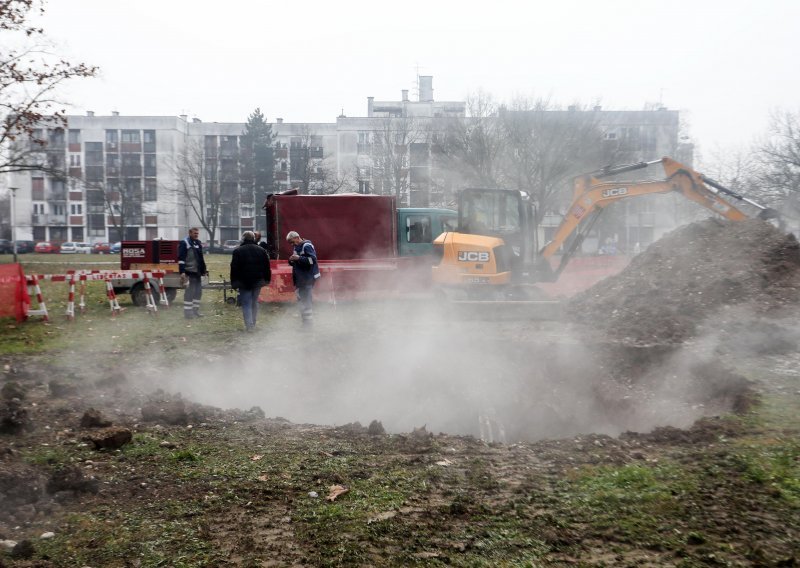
13, 191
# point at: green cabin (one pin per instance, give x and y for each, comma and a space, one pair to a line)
418, 226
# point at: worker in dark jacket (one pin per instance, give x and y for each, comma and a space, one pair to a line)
250, 272
262, 244
305, 272
192, 267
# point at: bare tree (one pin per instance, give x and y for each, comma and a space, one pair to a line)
545, 148
316, 172
779, 156
29, 77
469, 151
121, 202
197, 185
390, 155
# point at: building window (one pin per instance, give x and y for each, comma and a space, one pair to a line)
130, 137
74, 136
76, 209
112, 139
75, 160
150, 165
150, 190
37, 188
56, 137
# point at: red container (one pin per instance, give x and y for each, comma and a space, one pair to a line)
342, 227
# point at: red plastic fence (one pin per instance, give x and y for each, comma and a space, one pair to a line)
14, 299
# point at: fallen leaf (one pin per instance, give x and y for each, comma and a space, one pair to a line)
263, 478
444, 463
256, 457
336, 491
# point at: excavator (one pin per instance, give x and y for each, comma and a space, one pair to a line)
493, 254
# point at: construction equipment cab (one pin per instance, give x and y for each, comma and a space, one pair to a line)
494, 248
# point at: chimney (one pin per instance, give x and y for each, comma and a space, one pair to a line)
89, 113
426, 88
114, 113
370, 103
405, 95
183, 117
196, 120
279, 120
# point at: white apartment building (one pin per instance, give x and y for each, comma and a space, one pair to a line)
123, 183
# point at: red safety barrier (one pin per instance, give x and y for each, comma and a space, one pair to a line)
14, 299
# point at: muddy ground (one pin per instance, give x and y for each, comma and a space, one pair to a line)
395, 435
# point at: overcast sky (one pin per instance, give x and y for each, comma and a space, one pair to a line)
726, 63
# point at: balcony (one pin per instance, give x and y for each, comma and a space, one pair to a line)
38, 219
364, 148
56, 220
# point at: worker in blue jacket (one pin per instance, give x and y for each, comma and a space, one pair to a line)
305, 273
192, 267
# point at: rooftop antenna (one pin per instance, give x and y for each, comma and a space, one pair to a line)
416, 83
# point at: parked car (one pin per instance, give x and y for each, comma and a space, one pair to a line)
101, 248
6, 247
25, 246
217, 248
75, 248
116, 247
229, 246
48, 247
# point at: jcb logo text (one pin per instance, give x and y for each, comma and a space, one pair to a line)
473, 256
615, 192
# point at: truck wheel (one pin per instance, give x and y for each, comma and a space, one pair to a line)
137, 295
172, 293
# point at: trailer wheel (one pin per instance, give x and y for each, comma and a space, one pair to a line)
172, 293
137, 295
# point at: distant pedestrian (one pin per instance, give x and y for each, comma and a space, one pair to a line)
192, 267
305, 272
261, 243
250, 271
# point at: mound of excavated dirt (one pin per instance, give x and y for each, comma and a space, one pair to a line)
668, 290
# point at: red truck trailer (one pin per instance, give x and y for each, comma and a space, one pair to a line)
367, 246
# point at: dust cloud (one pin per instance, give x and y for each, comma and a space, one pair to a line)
649, 347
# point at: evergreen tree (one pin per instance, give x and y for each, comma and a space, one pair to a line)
258, 157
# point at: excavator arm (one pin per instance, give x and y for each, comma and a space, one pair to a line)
592, 195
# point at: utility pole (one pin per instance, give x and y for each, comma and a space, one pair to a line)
13, 191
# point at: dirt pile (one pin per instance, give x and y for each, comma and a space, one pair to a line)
694, 271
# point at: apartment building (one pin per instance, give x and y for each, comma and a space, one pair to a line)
127, 175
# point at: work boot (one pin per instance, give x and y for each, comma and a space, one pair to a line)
197, 314
188, 315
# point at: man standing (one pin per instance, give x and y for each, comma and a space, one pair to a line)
250, 272
261, 243
305, 272
192, 267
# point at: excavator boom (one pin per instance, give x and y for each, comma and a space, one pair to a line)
592, 195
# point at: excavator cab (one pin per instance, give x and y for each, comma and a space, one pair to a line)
494, 244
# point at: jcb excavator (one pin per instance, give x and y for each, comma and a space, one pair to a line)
494, 249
